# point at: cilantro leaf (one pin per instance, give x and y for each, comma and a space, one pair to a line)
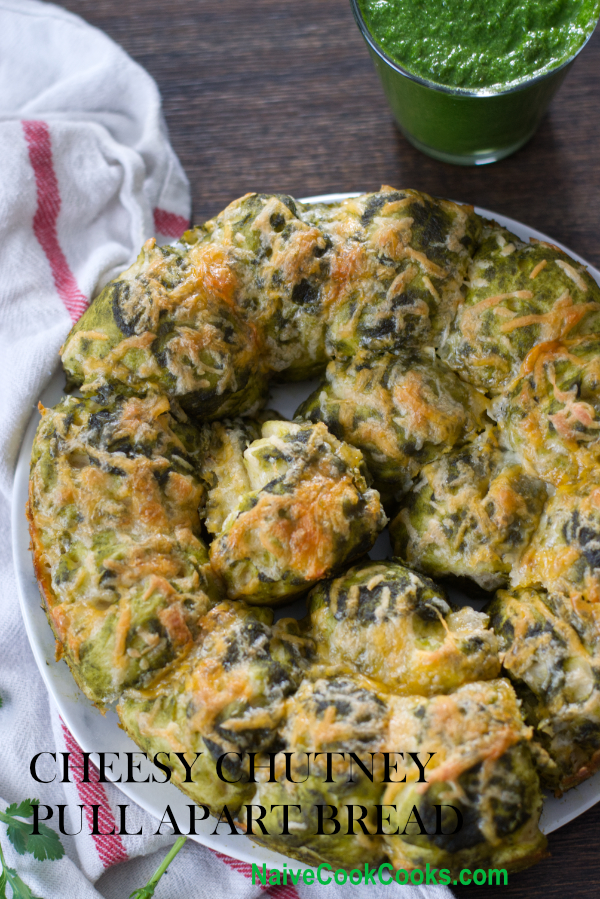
20, 890
22, 809
44, 845
18, 837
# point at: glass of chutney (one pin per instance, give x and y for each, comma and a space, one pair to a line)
468, 81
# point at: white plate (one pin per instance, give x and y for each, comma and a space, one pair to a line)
95, 732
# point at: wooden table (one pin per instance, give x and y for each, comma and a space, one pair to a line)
277, 95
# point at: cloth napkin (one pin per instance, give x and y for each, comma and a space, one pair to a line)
87, 176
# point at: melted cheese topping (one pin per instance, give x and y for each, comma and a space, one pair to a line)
227, 694
533, 295
481, 765
473, 513
401, 411
224, 470
312, 514
551, 650
114, 520
170, 324
549, 415
263, 287
393, 625
564, 554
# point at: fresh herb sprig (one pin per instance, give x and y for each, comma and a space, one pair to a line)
148, 891
45, 844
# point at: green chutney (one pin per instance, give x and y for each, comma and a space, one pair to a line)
487, 45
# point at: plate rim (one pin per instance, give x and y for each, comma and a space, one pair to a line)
81, 716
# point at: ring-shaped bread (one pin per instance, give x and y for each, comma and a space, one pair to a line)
462, 378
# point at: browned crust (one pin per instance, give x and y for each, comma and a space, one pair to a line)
41, 571
532, 859
573, 780
49, 600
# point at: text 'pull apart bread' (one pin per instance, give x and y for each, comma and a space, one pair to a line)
459, 372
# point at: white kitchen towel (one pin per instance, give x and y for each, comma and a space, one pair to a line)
87, 175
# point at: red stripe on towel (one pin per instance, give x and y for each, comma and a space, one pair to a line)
283, 892
280, 892
170, 224
37, 135
109, 846
241, 867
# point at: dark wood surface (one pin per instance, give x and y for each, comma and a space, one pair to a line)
277, 95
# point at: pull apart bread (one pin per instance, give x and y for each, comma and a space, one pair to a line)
113, 509
302, 511
460, 397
